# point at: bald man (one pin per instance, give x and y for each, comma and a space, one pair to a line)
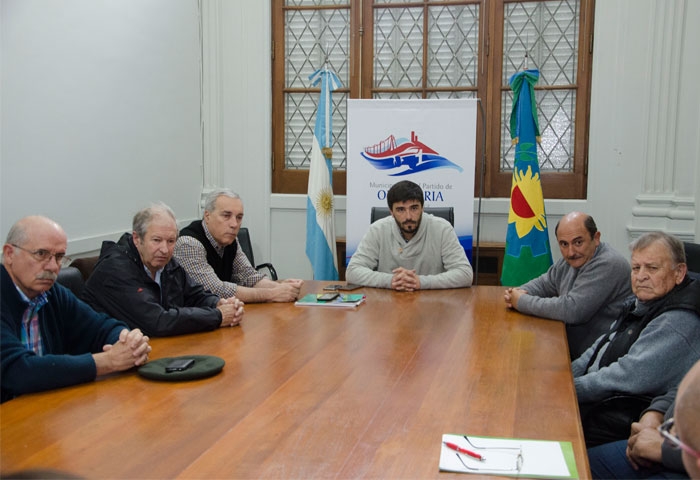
49, 338
585, 288
687, 421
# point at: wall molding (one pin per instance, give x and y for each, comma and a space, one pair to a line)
91, 244
211, 35
659, 205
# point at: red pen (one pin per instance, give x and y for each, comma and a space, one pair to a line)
457, 448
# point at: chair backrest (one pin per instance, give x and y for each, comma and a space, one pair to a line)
692, 256
244, 242
70, 277
247, 247
448, 213
86, 265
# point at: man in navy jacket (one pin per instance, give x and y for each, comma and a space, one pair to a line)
49, 338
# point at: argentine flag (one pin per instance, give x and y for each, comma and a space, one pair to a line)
320, 211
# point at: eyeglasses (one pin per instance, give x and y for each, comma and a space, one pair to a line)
43, 256
665, 431
516, 453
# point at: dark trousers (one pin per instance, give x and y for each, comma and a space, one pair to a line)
609, 461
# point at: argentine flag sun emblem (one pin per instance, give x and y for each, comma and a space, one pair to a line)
324, 203
320, 214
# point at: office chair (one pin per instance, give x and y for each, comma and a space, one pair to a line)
692, 256
609, 419
245, 244
86, 265
448, 213
76, 274
71, 278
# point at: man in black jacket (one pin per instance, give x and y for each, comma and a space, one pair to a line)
136, 280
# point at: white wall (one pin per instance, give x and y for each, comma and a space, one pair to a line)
644, 139
100, 112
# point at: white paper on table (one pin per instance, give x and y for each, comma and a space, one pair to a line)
539, 458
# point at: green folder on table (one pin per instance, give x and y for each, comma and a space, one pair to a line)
342, 300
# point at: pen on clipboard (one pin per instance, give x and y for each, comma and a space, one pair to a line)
459, 449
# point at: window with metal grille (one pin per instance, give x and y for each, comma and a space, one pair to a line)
436, 49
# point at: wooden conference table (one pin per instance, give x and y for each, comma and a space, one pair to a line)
312, 392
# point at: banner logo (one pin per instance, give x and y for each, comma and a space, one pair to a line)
403, 156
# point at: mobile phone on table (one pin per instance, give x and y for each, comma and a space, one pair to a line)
342, 287
327, 297
179, 365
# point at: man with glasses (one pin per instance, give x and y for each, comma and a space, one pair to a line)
49, 338
585, 288
649, 348
654, 448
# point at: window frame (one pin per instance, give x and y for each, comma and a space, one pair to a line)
496, 183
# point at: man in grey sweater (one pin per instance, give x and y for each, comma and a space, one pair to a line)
656, 340
584, 289
410, 250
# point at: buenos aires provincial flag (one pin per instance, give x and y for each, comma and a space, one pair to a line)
320, 209
528, 254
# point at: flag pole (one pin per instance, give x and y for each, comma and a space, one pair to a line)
528, 253
481, 190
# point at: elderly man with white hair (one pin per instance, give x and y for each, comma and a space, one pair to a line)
209, 250
137, 280
650, 347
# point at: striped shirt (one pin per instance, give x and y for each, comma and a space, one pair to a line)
192, 255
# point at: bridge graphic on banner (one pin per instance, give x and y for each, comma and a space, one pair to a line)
404, 157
